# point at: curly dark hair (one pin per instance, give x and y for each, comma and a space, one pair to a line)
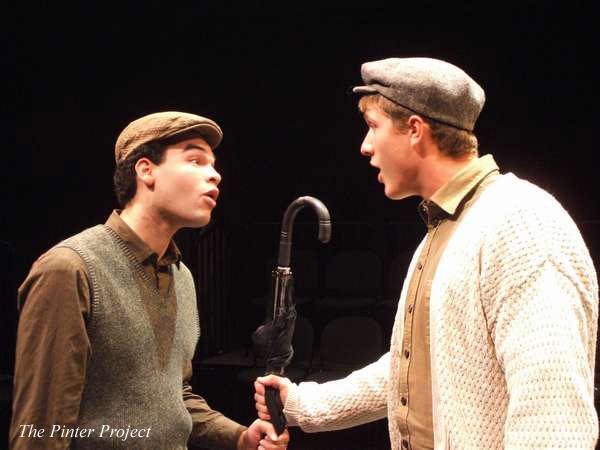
124, 177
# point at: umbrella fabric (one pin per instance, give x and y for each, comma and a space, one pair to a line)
273, 340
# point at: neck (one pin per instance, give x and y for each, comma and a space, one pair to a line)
439, 170
151, 228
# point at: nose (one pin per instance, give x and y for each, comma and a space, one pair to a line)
366, 148
214, 176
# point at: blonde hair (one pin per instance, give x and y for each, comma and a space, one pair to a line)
451, 141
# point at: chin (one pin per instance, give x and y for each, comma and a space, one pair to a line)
198, 222
396, 195
390, 193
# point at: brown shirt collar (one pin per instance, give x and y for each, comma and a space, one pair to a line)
140, 249
446, 201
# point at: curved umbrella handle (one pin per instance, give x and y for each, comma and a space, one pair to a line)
287, 225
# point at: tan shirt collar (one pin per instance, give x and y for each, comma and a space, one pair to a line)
140, 249
446, 200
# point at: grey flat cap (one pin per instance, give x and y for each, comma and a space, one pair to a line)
432, 88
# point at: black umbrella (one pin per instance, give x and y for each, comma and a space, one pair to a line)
273, 340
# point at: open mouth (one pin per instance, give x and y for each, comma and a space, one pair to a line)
213, 194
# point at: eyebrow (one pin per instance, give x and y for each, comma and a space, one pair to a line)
194, 147
202, 149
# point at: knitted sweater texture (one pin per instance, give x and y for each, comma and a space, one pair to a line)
513, 323
134, 376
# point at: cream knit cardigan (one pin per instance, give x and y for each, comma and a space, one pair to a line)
513, 319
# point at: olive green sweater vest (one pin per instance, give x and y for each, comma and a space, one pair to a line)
134, 375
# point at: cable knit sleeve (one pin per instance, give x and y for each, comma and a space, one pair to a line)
540, 295
359, 398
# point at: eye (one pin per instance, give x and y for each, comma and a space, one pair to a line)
197, 160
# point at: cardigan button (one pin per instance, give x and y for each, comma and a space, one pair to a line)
404, 443
403, 401
419, 265
406, 354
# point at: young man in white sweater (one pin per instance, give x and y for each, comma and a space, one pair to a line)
494, 339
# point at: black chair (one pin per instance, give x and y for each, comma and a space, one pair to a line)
347, 344
353, 280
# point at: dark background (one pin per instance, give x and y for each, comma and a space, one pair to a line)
277, 79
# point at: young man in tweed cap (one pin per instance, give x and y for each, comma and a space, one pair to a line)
494, 339
109, 321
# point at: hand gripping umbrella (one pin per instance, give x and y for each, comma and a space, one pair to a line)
273, 340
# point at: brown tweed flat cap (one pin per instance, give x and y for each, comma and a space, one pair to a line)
163, 125
432, 88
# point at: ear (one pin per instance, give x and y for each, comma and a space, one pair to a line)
416, 129
144, 171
